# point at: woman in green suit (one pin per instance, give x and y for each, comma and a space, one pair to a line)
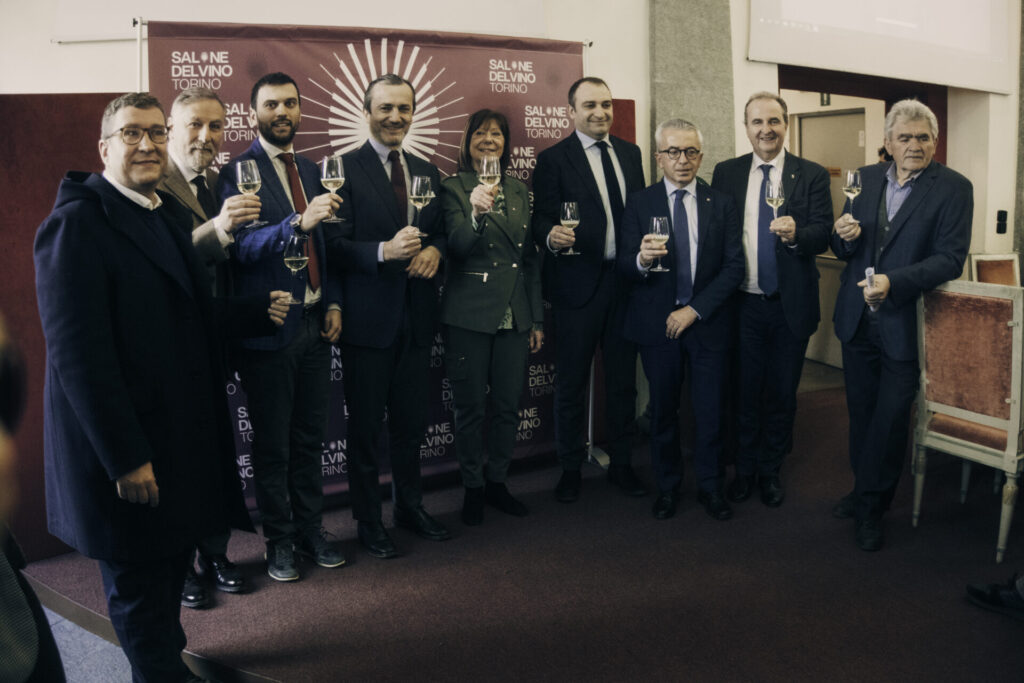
491, 310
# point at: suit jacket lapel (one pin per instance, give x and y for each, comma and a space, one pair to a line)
468, 180
271, 182
179, 187
703, 221
578, 160
740, 179
368, 159
790, 177
922, 185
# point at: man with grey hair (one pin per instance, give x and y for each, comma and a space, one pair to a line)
912, 225
777, 303
677, 309
195, 134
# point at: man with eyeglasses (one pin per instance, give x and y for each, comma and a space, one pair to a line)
137, 443
677, 309
777, 303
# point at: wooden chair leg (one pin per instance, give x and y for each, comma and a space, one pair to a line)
965, 480
920, 462
1009, 500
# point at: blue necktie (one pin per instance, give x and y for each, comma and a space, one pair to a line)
767, 274
681, 235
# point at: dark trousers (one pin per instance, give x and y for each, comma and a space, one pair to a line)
144, 603
664, 365
771, 358
288, 392
474, 361
578, 332
396, 379
879, 393
214, 545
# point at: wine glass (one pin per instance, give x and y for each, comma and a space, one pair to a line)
774, 196
570, 218
295, 258
332, 177
421, 195
659, 233
249, 182
852, 186
490, 172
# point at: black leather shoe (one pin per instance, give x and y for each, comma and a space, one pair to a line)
193, 593
420, 523
568, 488
225, 574
772, 493
844, 508
627, 481
665, 504
1004, 599
473, 506
497, 495
715, 505
741, 488
868, 533
376, 540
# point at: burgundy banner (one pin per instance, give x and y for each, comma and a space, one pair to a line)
454, 75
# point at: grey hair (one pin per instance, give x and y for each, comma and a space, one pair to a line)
137, 100
765, 95
910, 110
676, 124
196, 95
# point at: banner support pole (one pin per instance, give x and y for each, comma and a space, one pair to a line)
138, 23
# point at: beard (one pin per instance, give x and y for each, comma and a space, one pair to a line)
279, 139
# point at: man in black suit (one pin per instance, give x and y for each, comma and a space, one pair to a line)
196, 131
286, 377
679, 316
137, 443
597, 171
389, 313
912, 224
778, 300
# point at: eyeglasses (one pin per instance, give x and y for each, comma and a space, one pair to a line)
132, 135
673, 153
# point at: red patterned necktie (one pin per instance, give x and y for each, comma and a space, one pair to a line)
299, 201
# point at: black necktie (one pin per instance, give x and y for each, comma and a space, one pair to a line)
681, 235
398, 184
767, 275
205, 197
611, 181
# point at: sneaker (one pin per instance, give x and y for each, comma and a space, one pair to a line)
315, 545
281, 561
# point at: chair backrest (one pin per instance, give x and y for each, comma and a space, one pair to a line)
996, 269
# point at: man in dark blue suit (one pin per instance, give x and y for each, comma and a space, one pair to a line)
389, 312
679, 316
912, 224
137, 441
597, 171
286, 377
777, 304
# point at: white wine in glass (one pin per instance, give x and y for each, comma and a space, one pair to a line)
295, 258
659, 233
332, 177
570, 218
774, 196
852, 186
490, 171
422, 194
248, 182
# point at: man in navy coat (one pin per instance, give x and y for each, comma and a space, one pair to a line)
138, 448
912, 224
679, 316
286, 377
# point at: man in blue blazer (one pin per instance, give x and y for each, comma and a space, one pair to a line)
286, 377
777, 304
389, 313
912, 224
597, 171
680, 316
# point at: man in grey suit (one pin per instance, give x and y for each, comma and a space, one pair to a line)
196, 131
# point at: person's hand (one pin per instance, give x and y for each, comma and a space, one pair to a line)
678, 320
404, 245
847, 227
238, 210
482, 199
536, 340
874, 296
785, 228
561, 237
332, 325
139, 486
278, 309
319, 207
425, 264
651, 249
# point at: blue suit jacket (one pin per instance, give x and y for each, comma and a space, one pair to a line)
720, 267
258, 252
928, 243
375, 294
563, 175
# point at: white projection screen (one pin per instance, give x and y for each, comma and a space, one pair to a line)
959, 43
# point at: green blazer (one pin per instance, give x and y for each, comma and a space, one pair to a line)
492, 267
